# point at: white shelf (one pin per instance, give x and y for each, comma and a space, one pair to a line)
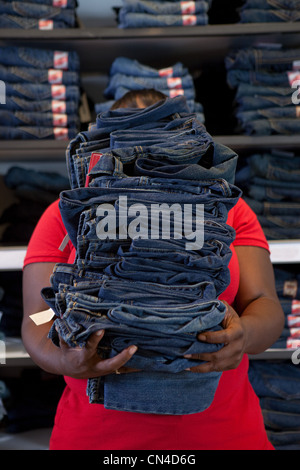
285, 251
11, 258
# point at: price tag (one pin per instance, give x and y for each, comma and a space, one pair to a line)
42, 317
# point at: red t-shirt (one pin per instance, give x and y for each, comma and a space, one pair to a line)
232, 422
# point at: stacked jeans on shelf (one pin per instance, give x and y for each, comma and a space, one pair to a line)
270, 184
269, 11
41, 94
38, 14
136, 275
129, 74
159, 13
266, 82
278, 388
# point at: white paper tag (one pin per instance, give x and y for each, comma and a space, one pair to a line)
42, 317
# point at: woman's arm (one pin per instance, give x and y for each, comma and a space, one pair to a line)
73, 362
258, 319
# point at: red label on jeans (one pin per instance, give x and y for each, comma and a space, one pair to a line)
293, 321
60, 120
61, 60
61, 133
188, 8
174, 82
176, 92
293, 76
58, 92
55, 76
292, 343
95, 157
290, 288
59, 107
45, 24
189, 20
167, 72
296, 307
60, 3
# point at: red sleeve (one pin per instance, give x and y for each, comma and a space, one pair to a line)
47, 238
247, 227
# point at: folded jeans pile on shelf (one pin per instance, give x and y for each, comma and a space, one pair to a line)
41, 94
159, 13
38, 14
266, 82
269, 11
152, 286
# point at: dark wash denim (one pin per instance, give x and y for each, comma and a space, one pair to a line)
14, 103
69, 3
188, 93
267, 59
38, 11
133, 67
20, 22
268, 208
272, 4
252, 103
257, 77
37, 91
246, 89
37, 132
38, 58
161, 8
146, 20
14, 74
272, 126
268, 16
288, 112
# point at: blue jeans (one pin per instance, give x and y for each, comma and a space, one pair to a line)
271, 126
275, 168
133, 82
188, 93
21, 118
270, 114
55, 3
133, 67
32, 133
245, 89
38, 58
162, 8
14, 103
145, 20
268, 16
32, 75
280, 227
255, 59
249, 103
18, 22
38, 11
257, 77
37, 92
272, 4
268, 208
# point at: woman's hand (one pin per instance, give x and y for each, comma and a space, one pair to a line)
85, 362
233, 336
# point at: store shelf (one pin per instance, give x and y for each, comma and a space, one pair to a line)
11, 258
13, 353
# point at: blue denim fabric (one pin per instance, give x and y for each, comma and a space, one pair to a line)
272, 4
268, 208
36, 92
145, 20
249, 103
268, 190
257, 77
275, 168
245, 89
14, 103
38, 58
188, 93
133, 67
268, 16
17, 176
277, 60
161, 8
21, 118
57, 3
288, 112
38, 132
38, 11
139, 83
19, 22
272, 127
14, 74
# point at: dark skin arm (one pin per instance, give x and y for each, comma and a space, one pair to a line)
257, 319
80, 363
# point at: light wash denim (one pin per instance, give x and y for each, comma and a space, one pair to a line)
38, 11
245, 89
14, 103
146, 20
258, 77
37, 132
36, 91
188, 93
21, 118
13, 74
133, 67
38, 58
252, 103
19, 22
264, 58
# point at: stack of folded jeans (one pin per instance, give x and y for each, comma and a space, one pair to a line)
129, 74
270, 184
33, 191
278, 388
266, 82
143, 184
269, 11
160, 13
42, 94
38, 14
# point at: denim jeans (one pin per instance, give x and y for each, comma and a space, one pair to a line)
32, 75
54, 3
39, 58
272, 126
249, 103
139, 83
258, 77
270, 114
188, 93
19, 22
146, 20
36, 92
268, 208
126, 66
21, 118
245, 89
268, 16
267, 59
273, 167
37, 132
14, 103
38, 11
272, 4
163, 8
